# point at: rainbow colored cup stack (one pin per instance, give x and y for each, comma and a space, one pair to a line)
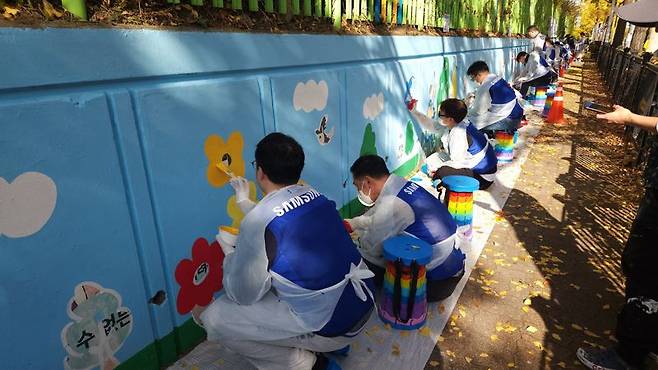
460, 202
540, 97
404, 296
504, 147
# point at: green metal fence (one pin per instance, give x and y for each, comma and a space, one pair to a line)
502, 16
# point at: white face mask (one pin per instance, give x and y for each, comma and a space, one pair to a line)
365, 198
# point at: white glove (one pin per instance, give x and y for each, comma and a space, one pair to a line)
227, 241
361, 222
241, 187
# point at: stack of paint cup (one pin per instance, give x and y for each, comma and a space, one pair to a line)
549, 101
504, 146
540, 97
404, 296
460, 202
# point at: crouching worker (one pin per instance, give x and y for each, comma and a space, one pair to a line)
469, 150
295, 285
536, 72
403, 207
495, 107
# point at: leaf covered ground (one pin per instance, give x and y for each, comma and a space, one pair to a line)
549, 279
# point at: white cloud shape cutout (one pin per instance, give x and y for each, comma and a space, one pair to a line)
373, 106
310, 96
26, 204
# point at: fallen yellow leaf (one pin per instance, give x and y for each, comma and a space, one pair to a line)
494, 337
531, 329
527, 301
556, 336
468, 359
9, 12
434, 363
484, 355
49, 11
591, 334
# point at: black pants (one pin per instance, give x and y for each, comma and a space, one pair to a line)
449, 171
544, 80
637, 323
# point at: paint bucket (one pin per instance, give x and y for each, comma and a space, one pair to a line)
404, 295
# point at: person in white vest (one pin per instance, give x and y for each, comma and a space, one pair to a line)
495, 107
295, 285
537, 38
403, 207
536, 72
470, 153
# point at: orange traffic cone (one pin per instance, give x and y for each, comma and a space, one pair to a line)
556, 114
561, 70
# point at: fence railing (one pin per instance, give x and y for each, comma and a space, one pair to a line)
499, 16
632, 83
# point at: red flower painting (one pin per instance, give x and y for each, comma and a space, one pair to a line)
199, 277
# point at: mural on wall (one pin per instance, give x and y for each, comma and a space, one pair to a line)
200, 277
409, 100
310, 96
27, 204
440, 89
224, 158
454, 80
232, 209
99, 328
324, 136
373, 106
368, 146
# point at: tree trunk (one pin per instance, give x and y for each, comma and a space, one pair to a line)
652, 45
637, 43
620, 30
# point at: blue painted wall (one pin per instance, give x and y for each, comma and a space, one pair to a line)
118, 120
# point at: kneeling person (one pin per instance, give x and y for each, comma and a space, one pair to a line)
495, 107
469, 150
295, 283
403, 207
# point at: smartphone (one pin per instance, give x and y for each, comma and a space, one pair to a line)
596, 107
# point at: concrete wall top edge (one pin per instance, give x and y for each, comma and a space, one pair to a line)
40, 57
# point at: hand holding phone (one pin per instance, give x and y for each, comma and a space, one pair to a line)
596, 107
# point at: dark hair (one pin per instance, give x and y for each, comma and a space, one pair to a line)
532, 27
369, 165
522, 54
549, 40
454, 108
477, 67
281, 158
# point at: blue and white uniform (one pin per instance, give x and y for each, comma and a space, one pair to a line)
403, 207
538, 42
535, 67
295, 273
495, 100
469, 148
